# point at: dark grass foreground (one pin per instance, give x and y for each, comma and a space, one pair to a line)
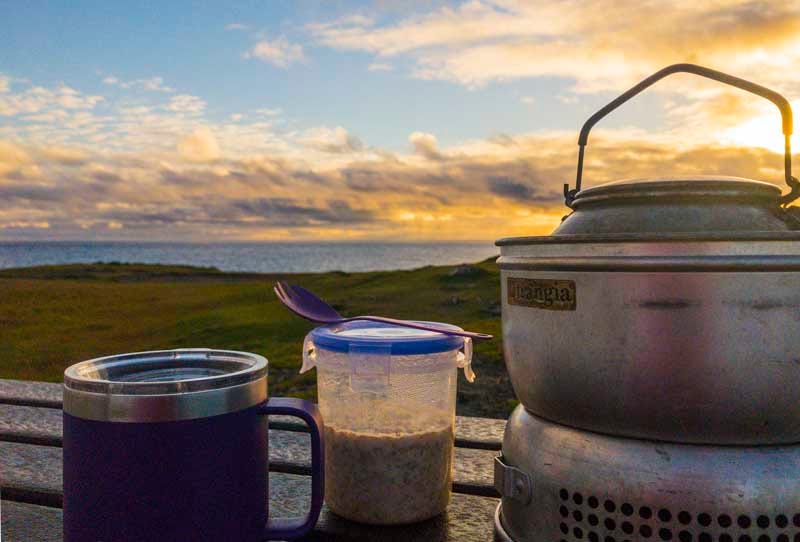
53, 316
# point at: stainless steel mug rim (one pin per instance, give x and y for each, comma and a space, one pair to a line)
165, 385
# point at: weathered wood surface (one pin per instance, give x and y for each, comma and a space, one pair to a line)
481, 433
30, 523
22, 392
289, 451
30, 464
468, 518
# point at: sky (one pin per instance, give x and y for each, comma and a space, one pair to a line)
386, 120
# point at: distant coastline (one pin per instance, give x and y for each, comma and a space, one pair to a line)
250, 257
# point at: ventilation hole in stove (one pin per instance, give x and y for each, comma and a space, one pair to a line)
646, 531
781, 521
593, 537
610, 507
685, 536
610, 539
665, 534
704, 519
764, 538
684, 517
797, 537
645, 512
577, 498
664, 515
725, 537
578, 532
743, 522
563, 511
592, 519
705, 537
724, 521
564, 494
610, 524
763, 522
592, 502
782, 538
627, 527
577, 515
745, 538
626, 509
796, 520
564, 528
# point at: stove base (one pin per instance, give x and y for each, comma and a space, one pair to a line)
560, 484
500, 534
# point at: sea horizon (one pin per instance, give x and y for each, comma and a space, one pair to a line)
250, 256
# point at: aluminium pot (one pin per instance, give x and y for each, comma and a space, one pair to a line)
664, 309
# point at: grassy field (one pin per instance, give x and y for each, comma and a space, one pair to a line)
53, 316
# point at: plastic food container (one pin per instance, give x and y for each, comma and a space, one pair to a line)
387, 396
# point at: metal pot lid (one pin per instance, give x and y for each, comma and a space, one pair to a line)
693, 189
723, 207
165, 372
165, 386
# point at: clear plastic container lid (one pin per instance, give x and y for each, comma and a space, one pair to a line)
364, 339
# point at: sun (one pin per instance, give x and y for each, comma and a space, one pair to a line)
763, 130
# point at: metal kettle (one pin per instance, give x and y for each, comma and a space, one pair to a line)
662, 308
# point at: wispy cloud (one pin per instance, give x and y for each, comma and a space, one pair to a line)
380, 67
36, 99
601, 45
154, 84
186, 103
331, 140
236, 26
278, 52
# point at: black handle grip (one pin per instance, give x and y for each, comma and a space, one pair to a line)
781, 102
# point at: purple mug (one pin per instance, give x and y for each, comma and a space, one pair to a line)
172, 445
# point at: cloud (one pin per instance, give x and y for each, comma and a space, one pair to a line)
278, 52
511, 188
380, 67
602, 45
199, 146
12, 157
425, 145
5, 83
236, 26
187, 104
527, 100
267, 112
335, 141
153, 84
484, 188
36, 99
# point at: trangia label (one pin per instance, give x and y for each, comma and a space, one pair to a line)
554, 295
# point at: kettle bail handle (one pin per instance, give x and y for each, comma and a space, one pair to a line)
781, 102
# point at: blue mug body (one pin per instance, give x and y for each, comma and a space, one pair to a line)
173, 445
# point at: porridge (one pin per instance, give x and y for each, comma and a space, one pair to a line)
388, 478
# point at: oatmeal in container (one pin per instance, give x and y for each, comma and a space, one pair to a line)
387, 396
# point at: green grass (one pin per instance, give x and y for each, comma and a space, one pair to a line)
53, 316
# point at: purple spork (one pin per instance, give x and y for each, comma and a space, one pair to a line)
303, 303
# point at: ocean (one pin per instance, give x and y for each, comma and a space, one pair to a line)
263, 257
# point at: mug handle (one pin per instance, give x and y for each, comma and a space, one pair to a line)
291, 528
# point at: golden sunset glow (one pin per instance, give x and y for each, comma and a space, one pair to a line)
432, 122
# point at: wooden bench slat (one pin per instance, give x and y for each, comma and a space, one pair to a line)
23, 392
481, 433
289, 451
30, 522
467, 518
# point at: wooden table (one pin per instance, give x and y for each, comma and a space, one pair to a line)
30, 475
